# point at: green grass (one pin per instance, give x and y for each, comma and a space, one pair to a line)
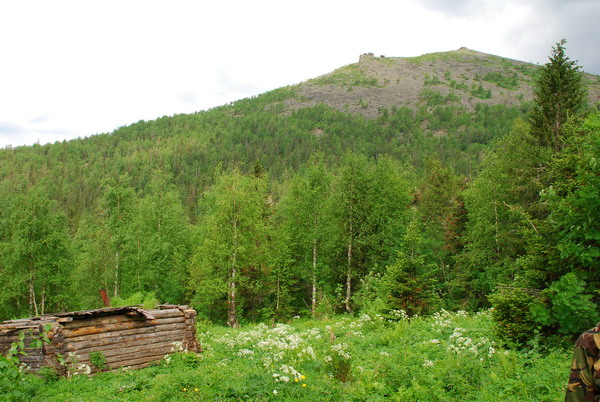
348, 77
507, 81
441, 56
448, 356
389, 61
434, 98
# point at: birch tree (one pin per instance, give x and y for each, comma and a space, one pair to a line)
161, 243
353, 187
34, 253
104, 244
307, 222
232, 238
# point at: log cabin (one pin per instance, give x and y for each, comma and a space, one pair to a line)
128, 337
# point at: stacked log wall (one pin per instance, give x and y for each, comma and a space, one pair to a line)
127, 339
34, 358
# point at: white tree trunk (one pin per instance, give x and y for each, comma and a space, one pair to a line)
349, 274
232, 319
314, 280
117, 276
32, 298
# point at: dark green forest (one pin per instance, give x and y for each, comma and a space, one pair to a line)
255, 211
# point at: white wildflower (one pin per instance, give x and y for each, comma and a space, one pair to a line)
341, 350
83, 369
245, 352
177, 347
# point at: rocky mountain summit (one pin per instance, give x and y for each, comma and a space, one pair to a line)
462, 77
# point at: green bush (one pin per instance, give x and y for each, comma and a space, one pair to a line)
98, 360
502, 80
146, 299
514, 322
409, 284
564, 307
14, 383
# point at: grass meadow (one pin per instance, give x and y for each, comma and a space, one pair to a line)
448, 356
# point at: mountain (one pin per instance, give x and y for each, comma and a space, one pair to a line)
453, 104
462, 77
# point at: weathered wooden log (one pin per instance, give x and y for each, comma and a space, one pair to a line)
33, 367
173, 312
158, 321
134, 340
135, 360
135, 357
169, 306
132, 366
34, 329
164, 347
83, 321
101, 328
8, 343
125, 332
104, 320
31, 358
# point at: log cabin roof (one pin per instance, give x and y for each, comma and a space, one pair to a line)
129, 310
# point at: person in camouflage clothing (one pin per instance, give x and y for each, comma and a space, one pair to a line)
584, 381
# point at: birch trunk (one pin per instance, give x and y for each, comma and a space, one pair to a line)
232, 319
43, 303
350, 240
349, 273
278, 296
32, 302
117, 276
139, 267
314, 280
32, 298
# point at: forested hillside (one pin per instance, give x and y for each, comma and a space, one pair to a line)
391, 184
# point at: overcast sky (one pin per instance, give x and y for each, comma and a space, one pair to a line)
71, 69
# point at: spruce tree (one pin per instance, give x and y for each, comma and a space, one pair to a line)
559, 94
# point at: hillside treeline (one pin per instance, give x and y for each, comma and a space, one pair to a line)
254, 212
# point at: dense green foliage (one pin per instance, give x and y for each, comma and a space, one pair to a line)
446, 356
14, 382
256, 211
559, 95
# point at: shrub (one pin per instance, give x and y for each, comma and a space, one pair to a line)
514, 322
564, 307
409, 284
98, 360
147, 299
13, 381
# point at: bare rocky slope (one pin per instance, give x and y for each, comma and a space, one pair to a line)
461, 77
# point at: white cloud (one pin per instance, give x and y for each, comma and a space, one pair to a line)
78, 68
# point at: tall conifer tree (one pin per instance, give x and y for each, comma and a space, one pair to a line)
559, 94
